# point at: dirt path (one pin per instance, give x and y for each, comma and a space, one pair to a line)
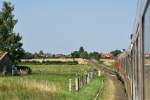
113, 89
147, 82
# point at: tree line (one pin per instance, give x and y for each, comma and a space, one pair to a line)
81, 53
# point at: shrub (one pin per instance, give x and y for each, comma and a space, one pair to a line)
24, 69
51, 62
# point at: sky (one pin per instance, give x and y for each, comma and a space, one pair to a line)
62, 26
147, 30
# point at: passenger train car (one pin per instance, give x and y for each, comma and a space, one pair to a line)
130, 64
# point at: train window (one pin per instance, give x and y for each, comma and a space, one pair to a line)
138, 65
128, 67
126, 61
133, 71
147, 52
122, 63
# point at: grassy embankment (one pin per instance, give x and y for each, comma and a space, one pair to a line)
108, 63
47, 82
147, 78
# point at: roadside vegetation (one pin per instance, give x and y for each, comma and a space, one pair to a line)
50, 63
147, 57
47, 82
109, 65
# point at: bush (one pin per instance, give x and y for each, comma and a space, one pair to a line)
24, 69
50, 62
119, 77
147, 57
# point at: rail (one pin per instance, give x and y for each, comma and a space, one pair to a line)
101, 67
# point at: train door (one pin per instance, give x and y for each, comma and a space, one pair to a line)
133, 75
139, 67
136, 71
146, 29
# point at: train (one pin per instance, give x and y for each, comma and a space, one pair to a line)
131, 63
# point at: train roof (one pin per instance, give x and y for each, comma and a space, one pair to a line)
141, 9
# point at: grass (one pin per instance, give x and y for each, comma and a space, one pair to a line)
50, 62
47, 82
108, 89
147, 82
109, 65
59, 69
89, 91
20, 89
147, 57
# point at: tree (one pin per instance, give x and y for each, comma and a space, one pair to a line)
28, 55
94, 55
115, 52
84, 55
41, 53
80, 54
75, 54
81, 49
9, 40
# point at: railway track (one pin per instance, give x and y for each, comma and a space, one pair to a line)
101, 67
112, 84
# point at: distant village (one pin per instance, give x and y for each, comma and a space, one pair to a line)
48, 55
41, 57
8, 67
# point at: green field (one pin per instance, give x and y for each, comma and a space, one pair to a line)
48, 82
147, 82
109, 65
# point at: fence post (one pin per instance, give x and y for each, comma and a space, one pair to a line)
77, 84
85, 77
81, 82
99, 73
70, 85
88, 78
92, 75
95, 74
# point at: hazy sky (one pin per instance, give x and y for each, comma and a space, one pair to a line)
61, 26
147, 30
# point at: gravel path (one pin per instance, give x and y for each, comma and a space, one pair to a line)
113, 89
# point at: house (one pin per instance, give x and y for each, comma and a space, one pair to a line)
68, 56
106, 56
59, 56
147, 54
5, 63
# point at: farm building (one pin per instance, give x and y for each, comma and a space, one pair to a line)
106, 56
147, 54
5, 63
